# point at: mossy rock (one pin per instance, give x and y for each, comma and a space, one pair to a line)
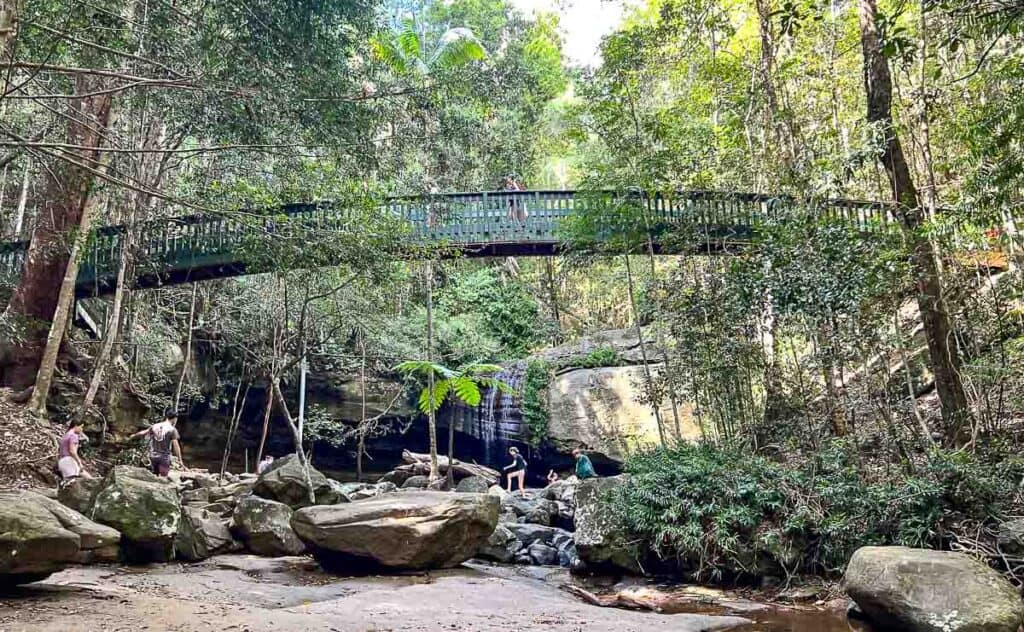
144, 508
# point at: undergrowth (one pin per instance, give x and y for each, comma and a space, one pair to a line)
720, 513
535, 403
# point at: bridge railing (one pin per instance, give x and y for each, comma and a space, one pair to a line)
461, 220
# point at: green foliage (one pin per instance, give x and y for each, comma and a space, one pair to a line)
506, 310
595, 359
721, 512
463, 384
535, 401
407, 51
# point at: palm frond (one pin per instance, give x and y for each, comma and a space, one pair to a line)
431, 400
457, 47
467, 390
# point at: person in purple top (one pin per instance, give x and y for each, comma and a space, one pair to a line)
69, 463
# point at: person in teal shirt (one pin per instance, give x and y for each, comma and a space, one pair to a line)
584, 468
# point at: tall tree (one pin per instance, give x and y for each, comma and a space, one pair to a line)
69, 193
938, 326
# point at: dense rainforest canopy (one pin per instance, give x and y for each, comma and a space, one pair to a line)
888, 359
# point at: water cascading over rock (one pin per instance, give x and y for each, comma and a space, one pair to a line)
498, 420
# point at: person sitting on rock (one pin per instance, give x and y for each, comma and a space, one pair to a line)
515, 470
69, 463
552, 477
264, 464
584, 468
163, 436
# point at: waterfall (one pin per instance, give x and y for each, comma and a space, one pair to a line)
501, 419
498, 420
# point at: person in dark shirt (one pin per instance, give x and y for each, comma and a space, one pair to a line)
515, 470
163, 437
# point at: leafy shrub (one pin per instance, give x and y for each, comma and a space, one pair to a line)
535, 403
599, 357
720, 512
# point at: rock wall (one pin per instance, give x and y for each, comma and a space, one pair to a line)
597, 410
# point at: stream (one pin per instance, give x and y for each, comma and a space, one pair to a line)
244, 593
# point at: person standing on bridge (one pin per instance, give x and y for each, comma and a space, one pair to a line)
516, 208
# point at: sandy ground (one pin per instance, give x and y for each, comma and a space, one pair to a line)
241, 593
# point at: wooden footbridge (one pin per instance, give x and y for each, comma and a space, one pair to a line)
482, 224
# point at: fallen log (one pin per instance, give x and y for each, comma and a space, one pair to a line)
459, 467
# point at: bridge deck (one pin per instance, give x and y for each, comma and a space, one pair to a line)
480, 224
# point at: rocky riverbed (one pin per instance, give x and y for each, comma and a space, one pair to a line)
242, 593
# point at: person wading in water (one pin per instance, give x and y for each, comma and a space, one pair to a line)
516, 470
163, 437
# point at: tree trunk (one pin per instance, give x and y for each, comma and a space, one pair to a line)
361, 447
8, 28
188, 347
553, 297
19, 216
942, 349
432, 414
69, 184
266, 421
643, 352
113, 324
236, 417
299, 451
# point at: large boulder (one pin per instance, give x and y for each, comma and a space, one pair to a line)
144, 508
598, 410
532, 509
203, 534
599, 541
410, 530
473, 485
919, 590
39, 536
285, 482
265, 527
416, 482
78, 493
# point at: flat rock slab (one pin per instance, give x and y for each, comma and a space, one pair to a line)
409, 530
235, 593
